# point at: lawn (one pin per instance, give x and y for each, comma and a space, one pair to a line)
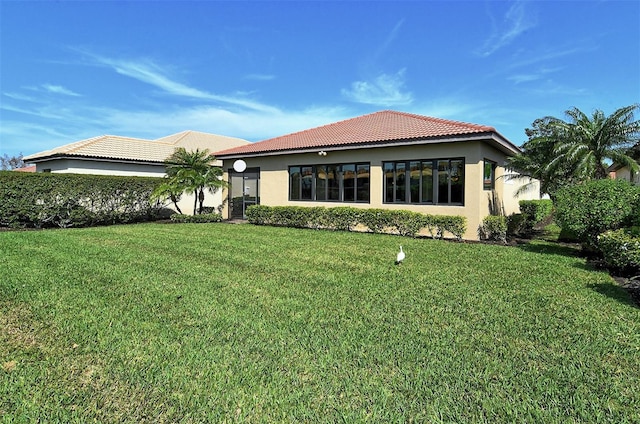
236, 323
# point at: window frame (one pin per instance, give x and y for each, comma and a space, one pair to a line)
491, 185
333, 189
406, 198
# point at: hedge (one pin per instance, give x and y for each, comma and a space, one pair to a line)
196, 219
621, 251
41, 200
534, 211
494, 227
590, 209
405, 223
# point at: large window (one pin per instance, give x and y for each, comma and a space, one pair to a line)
330, 183
424, 181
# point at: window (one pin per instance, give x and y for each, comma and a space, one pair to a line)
331, 183
489, 178
416, 182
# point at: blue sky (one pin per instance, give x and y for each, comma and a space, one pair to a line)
255, 70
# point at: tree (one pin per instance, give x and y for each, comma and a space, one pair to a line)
589, 143
9, 163
194, 172
561, 153
532, 162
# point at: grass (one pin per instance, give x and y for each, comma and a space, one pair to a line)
236, 323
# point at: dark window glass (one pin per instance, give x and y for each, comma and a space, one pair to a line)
294, 183
401, 182
414, 182
362, 194
349, 183
427, 182
321, 182
457, 181
333, 182
389, 177
489, 178
443, 181
307, 183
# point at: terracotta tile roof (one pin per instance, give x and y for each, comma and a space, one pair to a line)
138, 149
376, 128
30, 168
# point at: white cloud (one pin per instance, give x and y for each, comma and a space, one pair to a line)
384, 90
147, 71
516, 21
58, 89
260, 77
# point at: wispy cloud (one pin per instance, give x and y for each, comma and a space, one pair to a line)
260, 77
149, 72
58, 89
516, 21
383, 90
534, 75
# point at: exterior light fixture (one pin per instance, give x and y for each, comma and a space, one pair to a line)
322, 153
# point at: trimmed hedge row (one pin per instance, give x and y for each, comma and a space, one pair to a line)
405, 223
494, 227
196, 219
41, 200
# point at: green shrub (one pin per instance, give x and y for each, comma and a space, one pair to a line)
534, 212
493, 227
407, 223
376, 220
74, 200
621, 251
590, 209
346, 218
259, 214
196, 219
515, 224
456, 225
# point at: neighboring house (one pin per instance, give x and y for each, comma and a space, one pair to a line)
388, 159
30, 168
115, 155
624, 173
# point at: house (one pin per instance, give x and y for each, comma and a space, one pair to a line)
619, 172
116, 155
387, 159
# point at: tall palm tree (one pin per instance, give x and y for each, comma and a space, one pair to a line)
586, 143
193, 171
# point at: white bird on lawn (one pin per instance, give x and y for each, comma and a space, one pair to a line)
400, 256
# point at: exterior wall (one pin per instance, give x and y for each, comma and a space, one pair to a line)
95, 167
274, 178
624, 173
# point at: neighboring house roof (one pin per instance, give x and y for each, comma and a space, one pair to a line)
380, 128
30, 168
112, 147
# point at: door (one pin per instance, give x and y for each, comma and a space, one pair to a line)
244, 192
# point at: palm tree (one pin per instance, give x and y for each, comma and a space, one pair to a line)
194, 172
586, 143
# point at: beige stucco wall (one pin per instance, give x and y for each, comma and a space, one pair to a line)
274, 178
106, 167
624, 173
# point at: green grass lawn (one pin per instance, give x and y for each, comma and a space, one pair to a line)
236, 323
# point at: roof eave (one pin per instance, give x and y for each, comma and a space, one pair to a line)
500, 142
57, 156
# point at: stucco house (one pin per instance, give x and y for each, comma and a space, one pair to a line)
116, 155
386, 159
624, 173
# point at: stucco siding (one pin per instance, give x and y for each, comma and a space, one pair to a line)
274, 177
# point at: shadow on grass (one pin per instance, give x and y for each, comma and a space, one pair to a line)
550, 248
616, 292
